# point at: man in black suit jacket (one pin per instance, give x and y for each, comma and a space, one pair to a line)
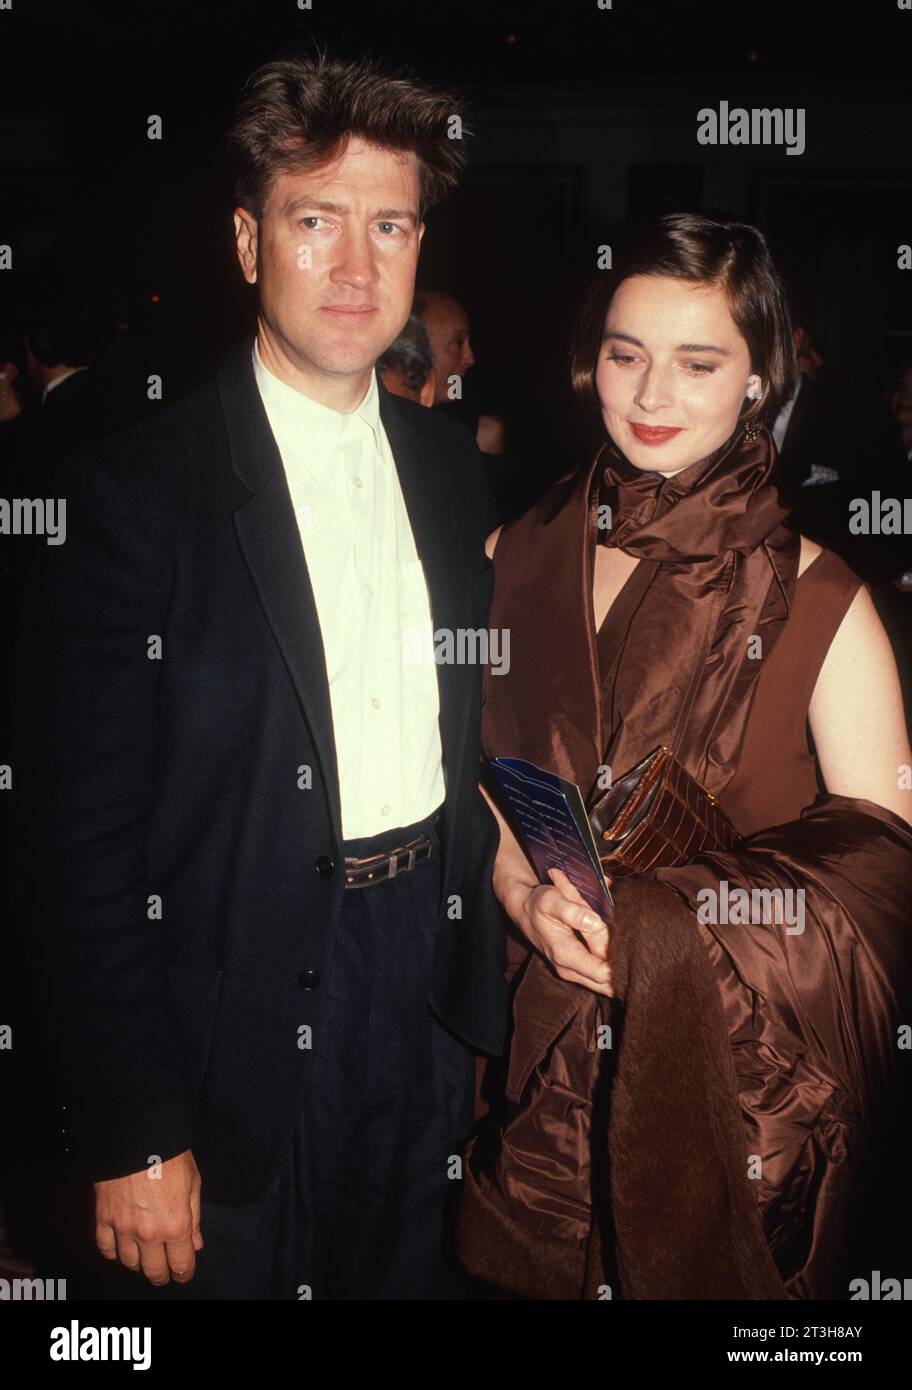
62, 338
813, 438
263, 1045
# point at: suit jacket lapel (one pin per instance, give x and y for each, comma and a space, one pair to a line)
271, 543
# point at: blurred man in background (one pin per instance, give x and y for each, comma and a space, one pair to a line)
407, 366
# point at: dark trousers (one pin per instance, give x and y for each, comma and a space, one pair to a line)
358, 1208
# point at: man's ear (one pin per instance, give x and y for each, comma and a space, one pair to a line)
245, 242
420, 232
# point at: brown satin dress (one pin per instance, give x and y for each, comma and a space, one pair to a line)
777, 775
798, 1045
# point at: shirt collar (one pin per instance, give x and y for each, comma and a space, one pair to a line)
314, 428
58, 381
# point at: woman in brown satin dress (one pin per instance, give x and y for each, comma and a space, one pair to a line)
657, 596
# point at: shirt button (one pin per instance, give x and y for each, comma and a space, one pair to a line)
375, 702
384, 810
358, 482
309, 979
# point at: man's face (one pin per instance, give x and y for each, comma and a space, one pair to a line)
334, 257
447, 325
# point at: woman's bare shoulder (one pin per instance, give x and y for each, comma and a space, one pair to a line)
856, 712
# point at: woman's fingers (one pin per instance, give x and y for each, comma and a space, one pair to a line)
574, 979
554, 919
561, 881
560, 878
565, 952
576, 915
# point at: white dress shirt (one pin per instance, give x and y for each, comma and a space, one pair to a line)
371, 598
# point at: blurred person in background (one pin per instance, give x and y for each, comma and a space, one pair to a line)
407, 366
810, 434
449, 332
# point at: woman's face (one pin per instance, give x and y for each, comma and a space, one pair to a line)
672, 372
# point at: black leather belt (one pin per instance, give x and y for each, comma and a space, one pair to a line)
376, 868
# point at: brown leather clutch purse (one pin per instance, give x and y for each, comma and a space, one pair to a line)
656, 816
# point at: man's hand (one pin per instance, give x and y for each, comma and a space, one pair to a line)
152, 1223
551, 918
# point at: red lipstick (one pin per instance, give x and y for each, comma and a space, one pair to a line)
654, 434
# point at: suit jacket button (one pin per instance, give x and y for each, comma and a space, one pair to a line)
326, 867
309, 979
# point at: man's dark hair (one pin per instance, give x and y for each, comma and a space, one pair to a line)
411, 355
708, 249
296, 112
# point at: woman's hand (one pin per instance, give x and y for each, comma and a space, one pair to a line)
550, 919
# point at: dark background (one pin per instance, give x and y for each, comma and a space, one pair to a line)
583, 117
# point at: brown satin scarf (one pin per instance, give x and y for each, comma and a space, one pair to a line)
674, 662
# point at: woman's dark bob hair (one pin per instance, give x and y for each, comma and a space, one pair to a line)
710, 250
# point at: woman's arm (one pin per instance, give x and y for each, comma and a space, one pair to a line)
856, 714
549, 918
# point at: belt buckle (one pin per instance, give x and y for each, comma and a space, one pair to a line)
394, 860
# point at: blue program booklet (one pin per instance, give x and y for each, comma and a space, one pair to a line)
554, 828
